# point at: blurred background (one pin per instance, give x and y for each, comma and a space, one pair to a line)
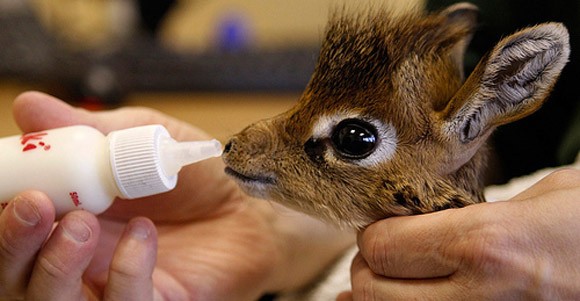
222, 64
101, 50
219, 64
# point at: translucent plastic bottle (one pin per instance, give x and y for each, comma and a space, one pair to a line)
80, 168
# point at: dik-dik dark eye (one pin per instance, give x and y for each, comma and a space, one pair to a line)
354, 138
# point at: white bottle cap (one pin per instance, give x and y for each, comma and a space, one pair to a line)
145, 160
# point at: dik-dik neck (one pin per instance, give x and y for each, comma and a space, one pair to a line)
459, 189
469, 178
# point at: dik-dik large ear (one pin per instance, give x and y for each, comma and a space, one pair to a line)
509, 83
460, 23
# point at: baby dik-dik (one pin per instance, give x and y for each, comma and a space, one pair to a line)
387, 124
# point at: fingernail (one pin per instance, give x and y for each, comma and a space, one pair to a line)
26, 211
76, 229
139, 230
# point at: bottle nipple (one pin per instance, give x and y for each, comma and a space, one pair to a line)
145, 160
174, 155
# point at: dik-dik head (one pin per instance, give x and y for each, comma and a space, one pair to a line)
388, 125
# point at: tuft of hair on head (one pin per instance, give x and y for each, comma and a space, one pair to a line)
363, 46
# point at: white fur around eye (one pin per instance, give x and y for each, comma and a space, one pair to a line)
323, 127
387, 138
386, 147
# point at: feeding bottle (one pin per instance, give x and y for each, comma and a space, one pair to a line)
80, 168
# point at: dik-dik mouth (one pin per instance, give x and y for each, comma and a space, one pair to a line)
249, 179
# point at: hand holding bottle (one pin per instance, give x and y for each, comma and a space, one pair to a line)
93, 168
209, 240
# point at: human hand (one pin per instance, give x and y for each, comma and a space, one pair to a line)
209, 241
524, 249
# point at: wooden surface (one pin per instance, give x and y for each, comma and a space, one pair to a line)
221, 115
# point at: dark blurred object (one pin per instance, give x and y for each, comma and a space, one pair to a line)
142, 64
153, 12
26, 48
533, 142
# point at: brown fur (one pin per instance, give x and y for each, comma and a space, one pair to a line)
402, 74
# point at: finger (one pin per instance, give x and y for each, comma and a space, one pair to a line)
130, 274
57, 274
367, 285
410, 247
565, 178
35, 111
24, 226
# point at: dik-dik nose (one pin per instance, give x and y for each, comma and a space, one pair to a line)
253, 141
228, 146
231, 147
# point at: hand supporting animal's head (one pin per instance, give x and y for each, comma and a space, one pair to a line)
388, 125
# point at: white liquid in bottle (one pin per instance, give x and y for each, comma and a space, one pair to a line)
80, 168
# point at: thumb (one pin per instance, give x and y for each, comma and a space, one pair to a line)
35, 111
411, 247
